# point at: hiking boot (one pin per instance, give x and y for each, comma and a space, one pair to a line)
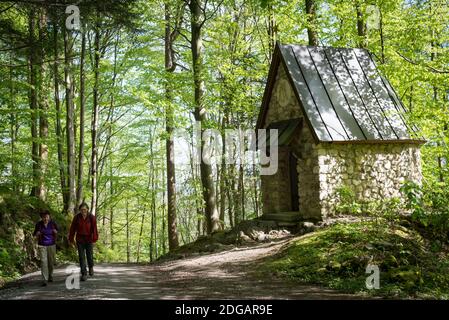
44, 284
83, 277
50, 279
91, 272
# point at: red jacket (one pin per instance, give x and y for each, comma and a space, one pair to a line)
85, 229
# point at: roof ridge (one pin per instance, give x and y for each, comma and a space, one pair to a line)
332, 47
341, 94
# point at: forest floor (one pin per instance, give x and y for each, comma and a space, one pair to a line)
229, 274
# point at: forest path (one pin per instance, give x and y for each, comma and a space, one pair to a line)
224, 275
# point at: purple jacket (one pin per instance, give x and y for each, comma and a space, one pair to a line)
47, 236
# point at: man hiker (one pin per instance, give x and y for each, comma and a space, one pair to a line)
45, 232
84, 225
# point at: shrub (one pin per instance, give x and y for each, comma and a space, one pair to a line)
347, 203
429, 206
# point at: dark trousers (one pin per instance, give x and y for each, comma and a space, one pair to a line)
85, 249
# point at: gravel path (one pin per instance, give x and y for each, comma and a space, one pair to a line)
225, 275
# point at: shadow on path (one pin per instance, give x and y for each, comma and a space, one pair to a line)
224, 275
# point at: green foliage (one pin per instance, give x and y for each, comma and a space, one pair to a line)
104, 253
389, 209
414, 200
12, 259
347, 202
429, 207
338, 256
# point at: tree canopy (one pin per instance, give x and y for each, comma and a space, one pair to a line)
86, 114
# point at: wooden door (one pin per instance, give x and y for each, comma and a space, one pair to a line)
293, 173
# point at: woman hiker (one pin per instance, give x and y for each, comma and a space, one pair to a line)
45, 232
84, 224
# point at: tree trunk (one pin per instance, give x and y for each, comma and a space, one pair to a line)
236, 198
106, 150
43, 106
217, 191
382, 38
361, 27
153, 228
70, 132
128, 249
59, 140
32, 80
311, 23
164, 221
13, 126
242, 191
272, 29
211, 212
95, 115
198, 206
435, 95
79, 190
224, 190
439, 157
240, 197
170, 66
103, 227
231, 211
153, 243
222, 193
230, 192
140, 236
256, 192
111, 209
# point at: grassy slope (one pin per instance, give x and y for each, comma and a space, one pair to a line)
337, 257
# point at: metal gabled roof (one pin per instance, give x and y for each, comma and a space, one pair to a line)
343, 96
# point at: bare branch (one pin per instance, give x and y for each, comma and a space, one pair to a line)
432, 69
4, 10
16, 48
204, 8
36, 64
182, 67
185, 37
212, 14
178, 22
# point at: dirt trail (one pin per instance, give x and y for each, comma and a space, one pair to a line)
225, 275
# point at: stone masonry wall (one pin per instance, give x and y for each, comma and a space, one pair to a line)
372, 171
275, 195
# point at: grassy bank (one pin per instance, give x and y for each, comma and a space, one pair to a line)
338, 255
